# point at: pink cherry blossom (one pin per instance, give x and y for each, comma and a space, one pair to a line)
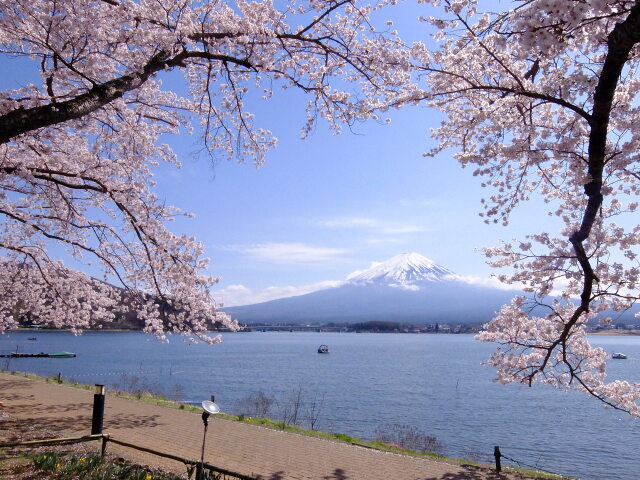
78, 148
542, 101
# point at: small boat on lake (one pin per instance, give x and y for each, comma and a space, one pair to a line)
619, 356
62, 354
323, 349
32, 338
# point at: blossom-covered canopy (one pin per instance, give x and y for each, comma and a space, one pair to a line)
78, 147
542, 100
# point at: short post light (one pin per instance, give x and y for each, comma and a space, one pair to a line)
98, 410
210, 408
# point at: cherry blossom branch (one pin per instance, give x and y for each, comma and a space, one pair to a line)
550, 86
21, 121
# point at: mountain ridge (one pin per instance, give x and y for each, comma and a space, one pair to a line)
407, 287
404, 269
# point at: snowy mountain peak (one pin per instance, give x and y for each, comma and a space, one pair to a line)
402, 270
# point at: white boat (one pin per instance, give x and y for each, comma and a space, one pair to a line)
619, 356
323, 349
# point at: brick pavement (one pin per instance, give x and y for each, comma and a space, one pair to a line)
60, 410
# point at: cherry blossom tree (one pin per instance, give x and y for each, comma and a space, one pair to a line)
79, 144
542, 100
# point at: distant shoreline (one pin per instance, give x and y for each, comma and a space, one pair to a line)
615, 332
318, 329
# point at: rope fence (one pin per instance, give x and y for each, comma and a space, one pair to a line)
53, 441
205, 465
223, 474
499, 455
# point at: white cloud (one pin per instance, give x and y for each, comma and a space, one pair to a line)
491, 282
235, 295
348, 222
559, 284
384, 227
417, 203
290, 252
384, 241
401, 229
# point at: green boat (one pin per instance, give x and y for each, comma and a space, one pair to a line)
62, 355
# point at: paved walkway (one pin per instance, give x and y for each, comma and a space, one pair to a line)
44, 410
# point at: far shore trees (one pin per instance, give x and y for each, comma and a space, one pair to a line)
542, 100
79, 144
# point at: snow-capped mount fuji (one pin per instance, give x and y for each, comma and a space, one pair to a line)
407, 288
404, 270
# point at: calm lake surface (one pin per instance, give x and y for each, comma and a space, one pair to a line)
368, 381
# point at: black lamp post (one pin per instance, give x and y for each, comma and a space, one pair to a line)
98, 410
210, 408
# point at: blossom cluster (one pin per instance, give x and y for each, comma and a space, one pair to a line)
542, 102
79, 147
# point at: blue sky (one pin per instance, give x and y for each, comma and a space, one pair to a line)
323, 207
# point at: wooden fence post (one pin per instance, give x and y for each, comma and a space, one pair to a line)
103, 448
496, 453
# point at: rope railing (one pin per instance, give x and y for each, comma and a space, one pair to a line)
499, 455
105, 438
52, 441
205, 465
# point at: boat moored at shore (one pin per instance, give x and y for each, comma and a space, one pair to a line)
62, 354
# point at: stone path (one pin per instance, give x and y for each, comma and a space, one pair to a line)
46, 410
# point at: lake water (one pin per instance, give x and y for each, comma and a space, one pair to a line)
368, 381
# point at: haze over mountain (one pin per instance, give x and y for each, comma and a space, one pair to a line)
406, 288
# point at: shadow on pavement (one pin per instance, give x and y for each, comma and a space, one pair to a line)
19, 429
6, 386
471, 472
73, 407
59, 424
338, 474
273, 476
121, 420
